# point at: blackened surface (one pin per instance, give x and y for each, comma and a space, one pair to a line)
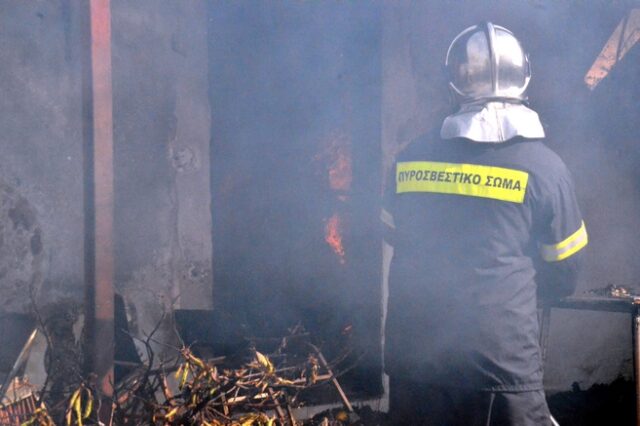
124, 348
88, 166
64, 358
211, 333
21, 251
601, 404
41, 141
14, 331
286, 77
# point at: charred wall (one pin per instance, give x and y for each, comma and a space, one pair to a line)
41, 232
595, 132
162, 127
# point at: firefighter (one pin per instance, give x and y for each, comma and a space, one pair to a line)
482, 217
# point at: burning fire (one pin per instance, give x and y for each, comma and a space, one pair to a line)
334, 238
336, 157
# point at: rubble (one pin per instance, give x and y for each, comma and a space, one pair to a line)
262, 390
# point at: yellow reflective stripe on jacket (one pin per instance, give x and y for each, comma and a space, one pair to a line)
565, 248
473, 180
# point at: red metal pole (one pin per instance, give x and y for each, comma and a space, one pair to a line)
99, 262
103, 181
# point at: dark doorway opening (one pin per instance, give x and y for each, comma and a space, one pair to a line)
296, 172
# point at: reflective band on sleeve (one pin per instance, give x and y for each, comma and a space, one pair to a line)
387, 219
565, 248
473, 180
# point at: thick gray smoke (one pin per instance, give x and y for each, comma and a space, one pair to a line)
295, 96
244, 130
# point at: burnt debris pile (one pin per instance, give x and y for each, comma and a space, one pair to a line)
259, 385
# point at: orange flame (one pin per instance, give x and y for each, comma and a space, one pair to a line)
336, 157
333, 236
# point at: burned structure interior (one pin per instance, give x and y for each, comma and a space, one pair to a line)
296, 235
192, 190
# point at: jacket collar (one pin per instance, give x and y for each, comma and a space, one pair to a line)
492, 122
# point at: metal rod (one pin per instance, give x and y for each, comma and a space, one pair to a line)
103, 181
98, 158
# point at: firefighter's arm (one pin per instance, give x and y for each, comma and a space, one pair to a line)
561, 243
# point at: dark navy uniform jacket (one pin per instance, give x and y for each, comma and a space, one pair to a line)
473, 225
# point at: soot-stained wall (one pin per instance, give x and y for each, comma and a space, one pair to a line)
595, 132
161, 132
41, 226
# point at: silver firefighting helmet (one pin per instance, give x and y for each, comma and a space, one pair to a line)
486, 62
